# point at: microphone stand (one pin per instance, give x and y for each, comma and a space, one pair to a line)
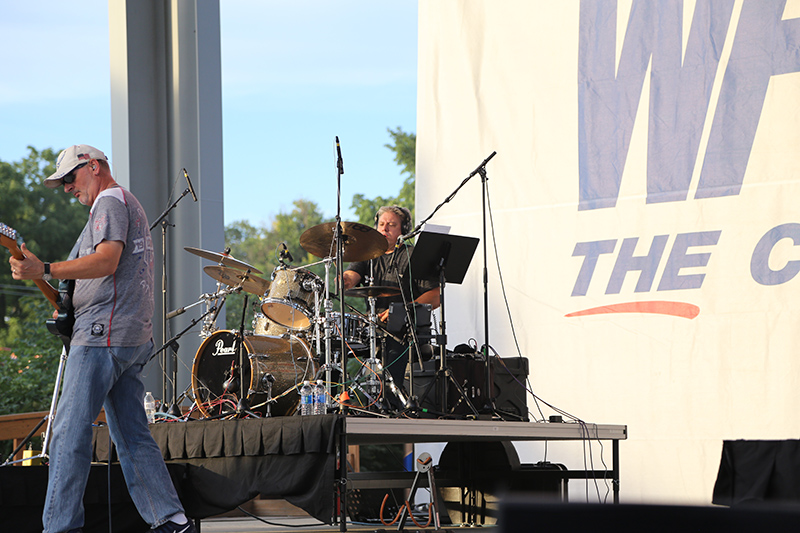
164, 224
340, 269
342, 490
489, 384
480, 169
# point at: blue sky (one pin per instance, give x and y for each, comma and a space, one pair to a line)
295, 74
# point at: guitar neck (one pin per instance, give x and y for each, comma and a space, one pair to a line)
50, 292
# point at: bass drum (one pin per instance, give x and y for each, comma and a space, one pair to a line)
281, 363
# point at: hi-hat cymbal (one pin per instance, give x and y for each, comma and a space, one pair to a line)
225, 259
375, 291
232, 277
361, 242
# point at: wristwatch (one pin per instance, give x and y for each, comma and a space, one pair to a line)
46, 276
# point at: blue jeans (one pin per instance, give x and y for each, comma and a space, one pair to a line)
105, 377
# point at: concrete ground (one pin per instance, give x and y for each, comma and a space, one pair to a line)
308, 525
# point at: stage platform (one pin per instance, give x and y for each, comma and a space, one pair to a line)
218, 465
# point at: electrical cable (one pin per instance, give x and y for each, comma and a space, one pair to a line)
500, 271
529, 388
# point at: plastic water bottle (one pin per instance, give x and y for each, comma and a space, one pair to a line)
150, 407
320, 407
306, 399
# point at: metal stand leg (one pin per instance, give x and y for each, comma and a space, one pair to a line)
342, 487
50, 417
424, 466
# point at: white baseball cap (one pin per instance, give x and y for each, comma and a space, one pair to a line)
70, 158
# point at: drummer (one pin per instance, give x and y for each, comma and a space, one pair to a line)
392, 270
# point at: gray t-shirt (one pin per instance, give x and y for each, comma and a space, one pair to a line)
116, 310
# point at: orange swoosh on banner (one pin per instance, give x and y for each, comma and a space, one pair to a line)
679, 309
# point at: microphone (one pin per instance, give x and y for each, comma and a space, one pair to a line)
231, 384
285, 254
339, 162
189, 182
176, 312
407, 236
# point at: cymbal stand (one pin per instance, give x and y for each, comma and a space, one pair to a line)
210, 322
371, 368
373, 363
377, 366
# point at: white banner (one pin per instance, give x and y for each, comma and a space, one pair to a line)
643, 214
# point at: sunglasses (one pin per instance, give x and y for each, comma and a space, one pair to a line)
69, 178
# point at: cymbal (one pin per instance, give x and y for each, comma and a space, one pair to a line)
361, 242
232, 277
375, 291
227, 260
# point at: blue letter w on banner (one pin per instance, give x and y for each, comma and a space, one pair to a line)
680, 90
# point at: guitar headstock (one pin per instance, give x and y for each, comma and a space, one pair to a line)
9, 237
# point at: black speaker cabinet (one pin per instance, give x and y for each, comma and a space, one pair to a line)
509, 375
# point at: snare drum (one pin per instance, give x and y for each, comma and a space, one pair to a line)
278, 362
290, 300
355, 330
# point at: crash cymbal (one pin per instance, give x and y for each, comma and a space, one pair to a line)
225, 259
361, 242
232, 277
375, 291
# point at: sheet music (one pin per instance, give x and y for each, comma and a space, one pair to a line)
435, 228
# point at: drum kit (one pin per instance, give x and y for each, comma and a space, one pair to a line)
297, 335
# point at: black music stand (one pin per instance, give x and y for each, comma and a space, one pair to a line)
446, 257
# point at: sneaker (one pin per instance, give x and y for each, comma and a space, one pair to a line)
172, 527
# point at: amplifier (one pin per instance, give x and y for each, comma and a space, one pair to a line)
509, 375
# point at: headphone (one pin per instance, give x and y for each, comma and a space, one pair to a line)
402, 212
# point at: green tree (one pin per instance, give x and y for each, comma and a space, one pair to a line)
260, 246
48, 220
28, 366
404, 146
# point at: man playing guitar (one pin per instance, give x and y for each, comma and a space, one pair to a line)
113, 267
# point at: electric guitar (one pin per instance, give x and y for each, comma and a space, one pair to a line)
60, 299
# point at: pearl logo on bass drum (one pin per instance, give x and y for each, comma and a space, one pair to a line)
220, 349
